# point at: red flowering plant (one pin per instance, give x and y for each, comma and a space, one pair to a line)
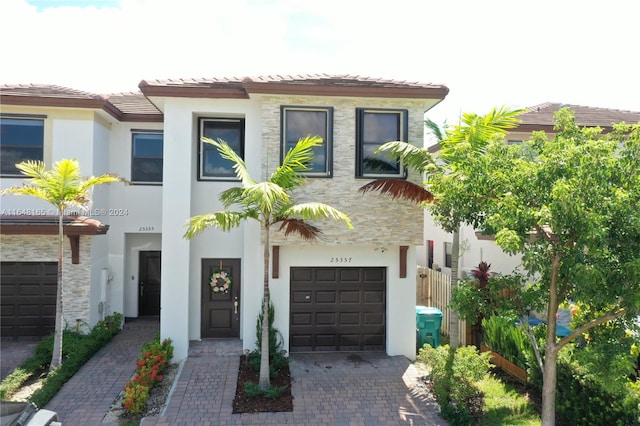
153, 360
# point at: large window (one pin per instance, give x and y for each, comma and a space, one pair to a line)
211, 165
300, 122
21, 139
146, 157
375, 127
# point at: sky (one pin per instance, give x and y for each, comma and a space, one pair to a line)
488, 53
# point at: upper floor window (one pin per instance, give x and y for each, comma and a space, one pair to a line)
300, 122
211, 165
146, 157
375, 127
21, 139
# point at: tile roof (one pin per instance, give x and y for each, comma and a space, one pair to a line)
320, 84
123, 106
540, 117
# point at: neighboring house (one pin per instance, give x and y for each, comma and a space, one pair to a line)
352, 290
476, 247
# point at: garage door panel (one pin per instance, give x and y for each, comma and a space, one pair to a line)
374, 296
350, 275
349, 296
343, 315
325, 318
370, 275
302, 275
325, 275
349, 318
28, 291
327, 296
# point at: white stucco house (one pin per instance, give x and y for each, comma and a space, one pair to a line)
351, 290
476, 247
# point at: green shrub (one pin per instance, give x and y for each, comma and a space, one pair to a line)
77, 349
507, 339
274, 392
252, 389
454, 375
580, 399
275, 338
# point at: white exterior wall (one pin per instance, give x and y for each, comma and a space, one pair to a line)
134, 218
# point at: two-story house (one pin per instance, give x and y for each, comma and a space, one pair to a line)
351, 290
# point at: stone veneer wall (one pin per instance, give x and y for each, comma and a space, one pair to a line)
77, 278
377, 220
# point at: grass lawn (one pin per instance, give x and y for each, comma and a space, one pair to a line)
504, 405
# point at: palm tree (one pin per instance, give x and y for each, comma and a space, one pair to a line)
269, 202
63, 187
456, 143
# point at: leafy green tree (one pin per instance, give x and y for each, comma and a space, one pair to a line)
571, 207
270, 203
456, 144
63, 187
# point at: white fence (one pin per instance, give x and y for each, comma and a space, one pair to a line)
433, 288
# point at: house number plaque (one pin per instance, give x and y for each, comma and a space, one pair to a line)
340, 260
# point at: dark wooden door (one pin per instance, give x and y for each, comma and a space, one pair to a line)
220, 310
337, 309
149, 284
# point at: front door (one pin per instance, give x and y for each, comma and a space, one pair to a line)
149, 285
220, 305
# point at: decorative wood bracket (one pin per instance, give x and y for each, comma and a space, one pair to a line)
403, 261
275, 262
74, 242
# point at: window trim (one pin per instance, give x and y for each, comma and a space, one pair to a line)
241, 128
135, 132
404, 136
29, 117
328, 173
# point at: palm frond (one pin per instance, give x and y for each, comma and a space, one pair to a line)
228, 153
265, 196
299, 227
411, 156
297, 160
223, 220
231, 196
314, 210
399, 189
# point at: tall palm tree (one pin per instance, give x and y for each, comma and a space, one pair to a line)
456, 143
63, 187
270, 203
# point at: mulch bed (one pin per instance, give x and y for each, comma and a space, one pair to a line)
243, 403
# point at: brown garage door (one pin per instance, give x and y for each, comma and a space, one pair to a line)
337, 309
28, 298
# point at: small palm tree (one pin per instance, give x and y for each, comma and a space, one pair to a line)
269, 203
63, 187
468, 138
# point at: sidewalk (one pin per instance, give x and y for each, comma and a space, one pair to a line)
87, 396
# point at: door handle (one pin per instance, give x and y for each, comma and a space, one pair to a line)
235, 307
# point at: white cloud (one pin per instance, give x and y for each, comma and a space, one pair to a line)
488, 53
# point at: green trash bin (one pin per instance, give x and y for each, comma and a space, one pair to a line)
428, 322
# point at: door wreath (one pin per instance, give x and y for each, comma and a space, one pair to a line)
220, 282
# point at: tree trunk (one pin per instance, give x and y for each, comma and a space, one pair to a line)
265, 382
56, 356
549, 377
454, 333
